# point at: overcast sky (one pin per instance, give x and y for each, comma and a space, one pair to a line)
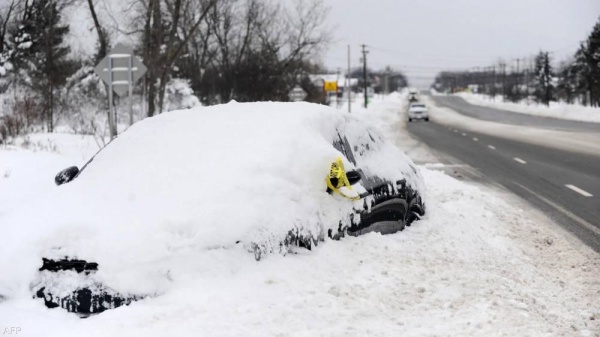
421, 37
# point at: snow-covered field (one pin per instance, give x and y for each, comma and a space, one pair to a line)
560, 110
481, 263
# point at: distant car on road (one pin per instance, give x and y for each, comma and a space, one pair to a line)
418, 111
413, 96
259, 177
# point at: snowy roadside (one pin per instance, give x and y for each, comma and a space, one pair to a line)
559, 110
479, 264
27, 170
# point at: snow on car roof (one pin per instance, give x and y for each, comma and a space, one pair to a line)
192, 180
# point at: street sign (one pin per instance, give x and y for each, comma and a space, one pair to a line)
297, 94
121, 60
120, 69
330, 86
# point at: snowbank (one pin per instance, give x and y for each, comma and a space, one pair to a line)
475, 266
187, 181
480, 264
556, 110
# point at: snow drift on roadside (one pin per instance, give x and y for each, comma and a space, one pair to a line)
479, 264
187, 181
475, 266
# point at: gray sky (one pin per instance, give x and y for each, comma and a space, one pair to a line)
421, 37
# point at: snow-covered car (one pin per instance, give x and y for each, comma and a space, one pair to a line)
418, 111
259, 177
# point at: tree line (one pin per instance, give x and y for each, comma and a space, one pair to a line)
243, 50
573, 80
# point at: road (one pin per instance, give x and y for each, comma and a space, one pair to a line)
507, 117
563, 184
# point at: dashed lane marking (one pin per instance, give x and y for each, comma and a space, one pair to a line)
475, 139
579, 190
492, 147
519, 160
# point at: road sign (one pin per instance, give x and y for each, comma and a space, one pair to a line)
297, 94
120, 69
122, 61
330, 86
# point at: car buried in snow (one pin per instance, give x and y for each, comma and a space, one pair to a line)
266, 178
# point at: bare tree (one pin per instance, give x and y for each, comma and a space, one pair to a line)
7, 10
102, 34
234, 24
262, 47
164, 40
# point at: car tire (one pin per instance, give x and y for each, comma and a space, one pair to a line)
388, 217
427, 119
410, 120
415, 209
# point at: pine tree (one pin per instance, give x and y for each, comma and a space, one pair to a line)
543, 78
40, 53
592, 56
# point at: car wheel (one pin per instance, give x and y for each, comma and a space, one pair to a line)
386, 218
410, 120
427, 119
415, 209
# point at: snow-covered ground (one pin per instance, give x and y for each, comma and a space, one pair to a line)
481, 263
560, 110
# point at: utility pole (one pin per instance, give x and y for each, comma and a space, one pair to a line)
503, 68
349, 84
518, 91
528, 65
385, 84
494, 86
364, 60
337, 91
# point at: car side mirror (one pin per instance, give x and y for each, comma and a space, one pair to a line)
66, 175
353, 177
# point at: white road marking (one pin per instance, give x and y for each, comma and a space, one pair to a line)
579, 190
464, 134
455, 131
492, 147
563, 210
519, 160
475, 139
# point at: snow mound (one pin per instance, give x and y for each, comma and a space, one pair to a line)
189, 181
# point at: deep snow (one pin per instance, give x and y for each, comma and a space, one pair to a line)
191, 180
481, 263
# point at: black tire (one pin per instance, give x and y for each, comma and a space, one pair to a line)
427, 119
416, 209
386, 218
409, 120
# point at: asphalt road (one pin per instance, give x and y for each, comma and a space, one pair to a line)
507, 117
564, 185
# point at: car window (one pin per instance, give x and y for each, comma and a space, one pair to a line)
365, 144
341, 144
